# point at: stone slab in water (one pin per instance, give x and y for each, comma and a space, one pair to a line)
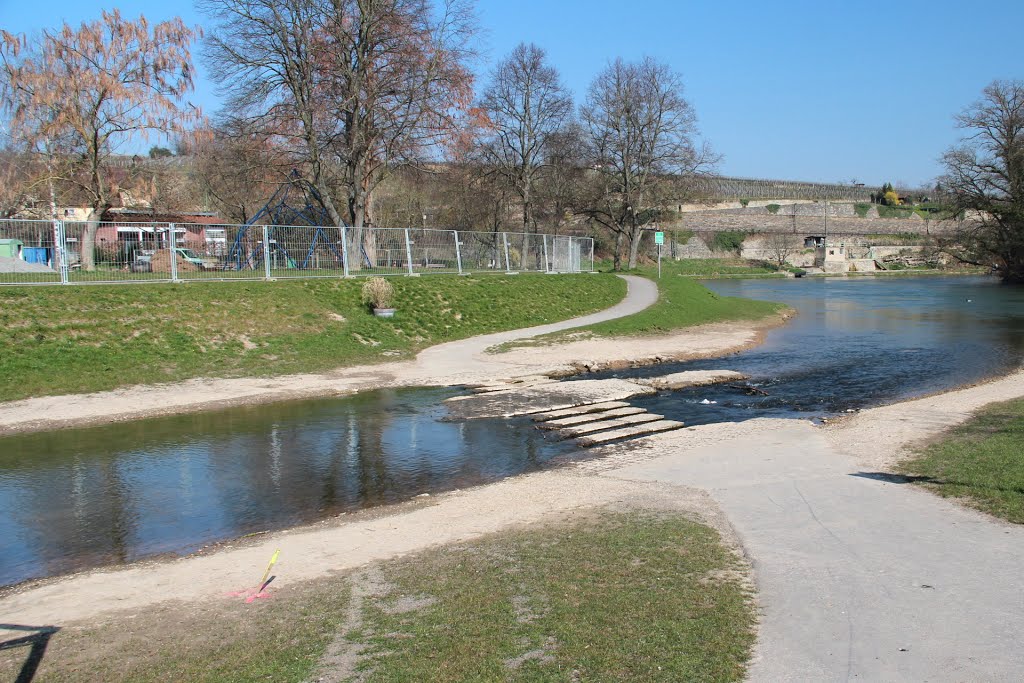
543, 398
510, 385
630, 432
613, 423
580, 410
692, 378
591, 417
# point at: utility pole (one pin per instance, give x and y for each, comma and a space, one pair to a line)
826, 222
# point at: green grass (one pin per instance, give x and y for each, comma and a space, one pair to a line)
629, 597
714, 267
612, 596
862, 208
683, 302
57, 340
979, 462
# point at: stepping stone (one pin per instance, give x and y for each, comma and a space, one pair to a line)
511, 385
630, 432
692, 378
626, 421
543, 398
580, 410
492, 388
590, 417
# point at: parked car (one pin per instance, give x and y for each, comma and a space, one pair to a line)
190, 256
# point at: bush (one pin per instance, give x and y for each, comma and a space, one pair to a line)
773, 208
727, 240
744, 202
378, 293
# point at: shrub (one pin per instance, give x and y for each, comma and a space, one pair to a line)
744, 202
773, 208
378, 293
728, 240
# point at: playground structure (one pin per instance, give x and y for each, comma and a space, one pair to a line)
249, 253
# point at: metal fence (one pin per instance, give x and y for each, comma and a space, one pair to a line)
51, 252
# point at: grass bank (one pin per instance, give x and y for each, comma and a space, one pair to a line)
610, 596
716, 267
979, 462
59, 340
682, 302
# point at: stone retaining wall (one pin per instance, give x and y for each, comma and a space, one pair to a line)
810, 224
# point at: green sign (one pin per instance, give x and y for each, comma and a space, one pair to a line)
659, 238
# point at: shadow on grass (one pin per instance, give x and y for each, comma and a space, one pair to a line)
37, 643
890, 478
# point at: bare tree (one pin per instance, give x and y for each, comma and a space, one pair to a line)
358, 87
236, 168
780, 247
642, 135
985, 175
75, 94
565, 162
526, 105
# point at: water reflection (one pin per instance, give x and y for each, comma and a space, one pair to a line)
113, 494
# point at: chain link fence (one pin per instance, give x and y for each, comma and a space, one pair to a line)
64, 252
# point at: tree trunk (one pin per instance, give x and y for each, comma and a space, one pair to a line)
88, 243
636, 235
617, 256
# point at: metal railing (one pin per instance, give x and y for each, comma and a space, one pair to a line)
51, 252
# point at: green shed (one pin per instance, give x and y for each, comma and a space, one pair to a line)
11, 248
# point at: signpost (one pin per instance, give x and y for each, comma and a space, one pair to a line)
659, 239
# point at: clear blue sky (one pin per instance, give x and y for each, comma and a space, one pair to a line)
799, 90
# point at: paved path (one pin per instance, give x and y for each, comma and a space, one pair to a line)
859, 578
468, 355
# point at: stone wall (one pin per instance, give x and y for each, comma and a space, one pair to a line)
798, 223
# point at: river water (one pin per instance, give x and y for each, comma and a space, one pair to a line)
855, 343
82, 498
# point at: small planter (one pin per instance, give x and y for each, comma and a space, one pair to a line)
384, 312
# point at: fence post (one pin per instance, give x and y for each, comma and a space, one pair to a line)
172, 245
408, 251
458, 251
60, 250
266, 253
591, 254
344, 250
508, 265
547, 267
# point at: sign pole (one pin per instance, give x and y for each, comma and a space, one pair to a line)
659, 239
